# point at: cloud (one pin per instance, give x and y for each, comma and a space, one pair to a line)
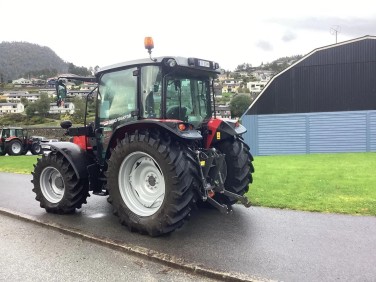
353, 27
264, 45
288, 36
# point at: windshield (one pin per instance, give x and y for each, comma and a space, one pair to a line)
187, 99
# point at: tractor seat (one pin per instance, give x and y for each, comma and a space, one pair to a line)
173, 113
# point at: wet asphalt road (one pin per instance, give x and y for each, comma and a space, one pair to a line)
268, 243
45, 254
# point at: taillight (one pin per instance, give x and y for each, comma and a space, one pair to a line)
182, 126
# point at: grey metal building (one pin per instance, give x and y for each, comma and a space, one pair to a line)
325, 102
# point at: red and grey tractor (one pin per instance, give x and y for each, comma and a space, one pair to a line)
15, 141
154, 147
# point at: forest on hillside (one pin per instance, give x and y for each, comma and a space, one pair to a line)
23, 59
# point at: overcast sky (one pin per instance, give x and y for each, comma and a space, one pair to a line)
90, 33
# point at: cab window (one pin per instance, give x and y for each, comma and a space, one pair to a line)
151, 80
118, 92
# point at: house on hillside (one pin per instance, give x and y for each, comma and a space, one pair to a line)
88, 86
262, 75
223, 111
15, 96
22, 81
11, 108
255, 87
230, 85
66, 108
325, 102
78, 93
51, 92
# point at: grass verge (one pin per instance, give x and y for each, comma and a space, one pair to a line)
18, 164
335, 183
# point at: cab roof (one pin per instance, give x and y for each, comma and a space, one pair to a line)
181, 61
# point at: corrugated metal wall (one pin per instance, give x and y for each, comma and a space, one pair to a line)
371, 119
327, 132
339, 78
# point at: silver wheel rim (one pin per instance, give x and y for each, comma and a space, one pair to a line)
141, 184
52, 184
16, 147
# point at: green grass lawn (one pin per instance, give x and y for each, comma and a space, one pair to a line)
335, 183
18, 164
339, 183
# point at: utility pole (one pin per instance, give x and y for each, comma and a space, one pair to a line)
335, 30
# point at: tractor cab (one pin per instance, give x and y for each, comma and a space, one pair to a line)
174, 93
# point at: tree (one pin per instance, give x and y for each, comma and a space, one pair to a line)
39, 107
79, 110
239, 104
31, 110
43, 104
244, 67
237, 75
246, 80
243, 89
78, 70
25, 102
228, 73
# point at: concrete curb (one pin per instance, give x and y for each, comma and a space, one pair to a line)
142, 252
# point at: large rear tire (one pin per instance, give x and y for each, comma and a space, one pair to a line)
56, 185
239, 169
150, 182
15, 148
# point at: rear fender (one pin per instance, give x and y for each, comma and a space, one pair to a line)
76, 156
11, 138
219, 130
167, 126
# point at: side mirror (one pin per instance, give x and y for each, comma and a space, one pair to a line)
66, 124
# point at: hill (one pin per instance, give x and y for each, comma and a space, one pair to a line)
18, 59
275, 66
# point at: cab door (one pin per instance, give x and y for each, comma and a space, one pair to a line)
117, 103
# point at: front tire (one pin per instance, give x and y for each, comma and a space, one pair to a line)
56, 185
150, 182
36, 149
239, 169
